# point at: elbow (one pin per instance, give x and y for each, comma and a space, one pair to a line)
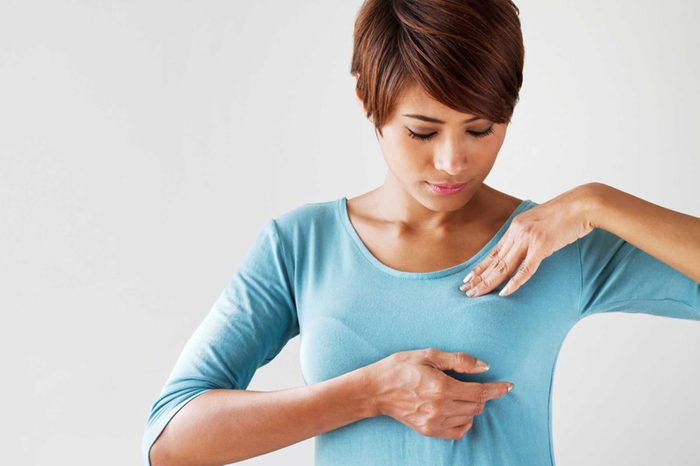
161, 456
158, 456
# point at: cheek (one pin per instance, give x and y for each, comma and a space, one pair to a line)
484, 155
481, 163
404, 156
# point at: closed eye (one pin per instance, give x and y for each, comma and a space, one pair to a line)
425, 137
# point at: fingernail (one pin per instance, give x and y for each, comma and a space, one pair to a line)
466, 279
483, 364
505, 291
471, 292
510, 387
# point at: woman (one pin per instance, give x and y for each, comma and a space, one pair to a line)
392, 349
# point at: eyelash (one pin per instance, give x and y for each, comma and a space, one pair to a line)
425, 137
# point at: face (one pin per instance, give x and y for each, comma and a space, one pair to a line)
419, 152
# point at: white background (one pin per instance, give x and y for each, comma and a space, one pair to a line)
143, 144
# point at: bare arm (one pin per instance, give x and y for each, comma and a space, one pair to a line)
224, 426
670, 236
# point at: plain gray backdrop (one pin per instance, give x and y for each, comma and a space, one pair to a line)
144, 143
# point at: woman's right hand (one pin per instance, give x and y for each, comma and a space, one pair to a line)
411, 387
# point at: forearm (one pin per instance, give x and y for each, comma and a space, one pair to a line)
225, 426
670, 236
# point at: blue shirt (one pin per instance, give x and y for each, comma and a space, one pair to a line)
309, 272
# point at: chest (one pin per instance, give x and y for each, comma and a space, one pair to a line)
357, 317
423, 253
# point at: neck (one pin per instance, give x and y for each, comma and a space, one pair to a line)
395, 205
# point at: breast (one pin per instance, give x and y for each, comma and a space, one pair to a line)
358, 320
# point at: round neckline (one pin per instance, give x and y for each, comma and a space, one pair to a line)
342, 210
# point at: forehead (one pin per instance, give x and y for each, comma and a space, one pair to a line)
414, 99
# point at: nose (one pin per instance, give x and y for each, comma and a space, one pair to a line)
451, 158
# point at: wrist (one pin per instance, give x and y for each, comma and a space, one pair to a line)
364, 384
593, 203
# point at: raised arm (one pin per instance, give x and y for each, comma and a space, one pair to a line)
670, 236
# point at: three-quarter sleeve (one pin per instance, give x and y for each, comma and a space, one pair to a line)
248, 325
618, 276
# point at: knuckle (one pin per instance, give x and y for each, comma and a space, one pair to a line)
424, 355
436, 390
525, 226
519, 223
431, 412
468, 427
434, 419
463, 358
440, 389
482, 395
429, 428
465, 428
524, 269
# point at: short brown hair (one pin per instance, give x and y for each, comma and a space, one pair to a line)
466, 54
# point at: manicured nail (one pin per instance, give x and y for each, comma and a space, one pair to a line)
466, 279
510, 387
483, 364
471, 292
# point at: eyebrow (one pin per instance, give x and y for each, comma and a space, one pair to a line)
435, 120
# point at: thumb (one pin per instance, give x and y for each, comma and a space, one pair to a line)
457, 361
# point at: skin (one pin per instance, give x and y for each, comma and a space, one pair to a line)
408, 227
409, 386
403, 222
670, 236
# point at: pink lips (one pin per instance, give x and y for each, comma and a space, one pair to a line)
446, 188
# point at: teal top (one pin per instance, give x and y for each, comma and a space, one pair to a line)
309, 273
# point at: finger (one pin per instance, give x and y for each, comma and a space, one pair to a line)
506, 244
463, 408
478, 392
486, 262
457, 361
500, 270
501, 267
459, 431
526, 270
455, 421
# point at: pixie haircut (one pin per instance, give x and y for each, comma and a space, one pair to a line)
466, 54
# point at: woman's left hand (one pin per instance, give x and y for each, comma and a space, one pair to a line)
532, 236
